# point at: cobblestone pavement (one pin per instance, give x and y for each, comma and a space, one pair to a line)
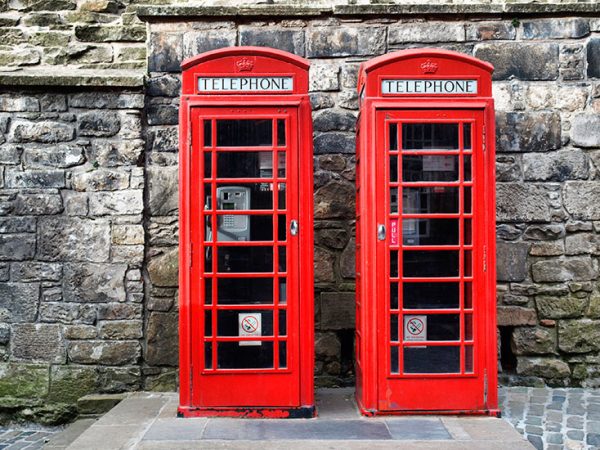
553, 419
25, 438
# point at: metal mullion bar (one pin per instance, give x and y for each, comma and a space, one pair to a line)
461, 261
275, 221
400, 252
215, 232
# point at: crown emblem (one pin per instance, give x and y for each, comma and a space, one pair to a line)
429, 67
244, 65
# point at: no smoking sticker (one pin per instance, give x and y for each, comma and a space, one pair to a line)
250, 325
415, 328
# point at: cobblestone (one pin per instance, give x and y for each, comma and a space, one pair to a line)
29, 438
553, 418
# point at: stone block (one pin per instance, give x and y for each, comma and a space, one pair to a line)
38, 204
24, 380
334, 120
69, 383
593, 58
337, 310
36, 271
197, 42
549, 368
522, 61
128, 234
549, 248
4, 333
51, 102
585, 130
575, 268
324, 261
288, 40
324, 76
106, 100
348, 261
40, 342
165, 52
511, 261
321, 100
568, 164
37, 179
119, 311
45, 132
67, 313
108, 33
576, 198
335, 143
160, 114
327, 346
426, 32
77, 332
579, 336
115, 153
582, 243
345, 41
93, 404
164, 139
19, 57
485, 31
163, 189
335, 200
60, 156
19, 103
119, 379
545, 232
10, 154
556, 28
73, 239
168, 85
550, 307
166, 381
17, 247
116, 203
162, 339
534, 341
518, 202
508, 168
130, 254
94, 283
106, 353
336, 238
100, 180
163, 269
516, 316
120, 330
98, 124
348, 99
528, 132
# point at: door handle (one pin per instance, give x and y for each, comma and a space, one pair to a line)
381, 232
293, 227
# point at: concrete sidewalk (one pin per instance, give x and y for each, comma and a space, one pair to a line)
147, 421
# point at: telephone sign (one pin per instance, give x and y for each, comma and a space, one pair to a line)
425, 226
246, 258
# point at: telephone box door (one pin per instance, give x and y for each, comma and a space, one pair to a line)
245, 353
430, 293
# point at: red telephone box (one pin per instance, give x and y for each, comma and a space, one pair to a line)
426, 327
246, 240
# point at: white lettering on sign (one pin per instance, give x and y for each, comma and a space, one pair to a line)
415, 328
429, 87
245, 84
249, 324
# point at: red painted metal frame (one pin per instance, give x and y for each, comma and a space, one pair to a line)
231, 385
378, 391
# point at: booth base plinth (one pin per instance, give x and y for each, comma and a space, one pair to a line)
438, 412
302, 412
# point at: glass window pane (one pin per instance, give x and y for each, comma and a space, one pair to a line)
468, 240
467, 199
282, 322
468, 327
208, 251
393, 200
208, 355
430, 263
393, 169
245, 259
394, 359
228, 322
394, 263
430, 168
430, 200
467, 167
430, 136
241, 228
282, 259
281, 132
245, 164
281, 197
245, 133
437, 327
469, 359
208, 291
281, 164
282, 290
468, 295
281, 227
394, 327
431, 359
468, 263
208, 133
430, 295
283, 354
430, 231
232, 355
241, 196
393, 136
467, 136
393, 295
207, 164
208, 323
245, 291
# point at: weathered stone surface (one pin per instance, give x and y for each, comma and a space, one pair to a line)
100, 180
117, 202
321, 100
593, 58
576, 268
73, 239
582, 243
23, 380
485, 31
327, 346
549, 248
346, 41
58, 156
324, 77
10, 154
579, 336
347, 268
508, 168
94, 283
162, 339
111, 154
332, 120
511, 261
107, 33
68, 313
426, 32
522, 61
35, 179
163, 185
128, 234
18, 302
576, 198
68, 383
119, 311
163, 269
543, 367
99, 123
585, 130
556, 28
19, 103
337, 310
522, 203
334, 200
550, 307
120, 330
324, 265
17, 247
119, 379
36, 271
334, 142
161, 114
516, 316
544, 232
103, 100
289, 40
98, 403
107, 353
534, 341
528, 132
76, 332
38, 343
38, 204
568, 164
334, 238
165, 85
46, 132
165, 52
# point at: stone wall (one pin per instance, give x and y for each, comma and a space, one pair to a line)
71, 249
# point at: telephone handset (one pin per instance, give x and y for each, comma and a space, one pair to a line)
231, 227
